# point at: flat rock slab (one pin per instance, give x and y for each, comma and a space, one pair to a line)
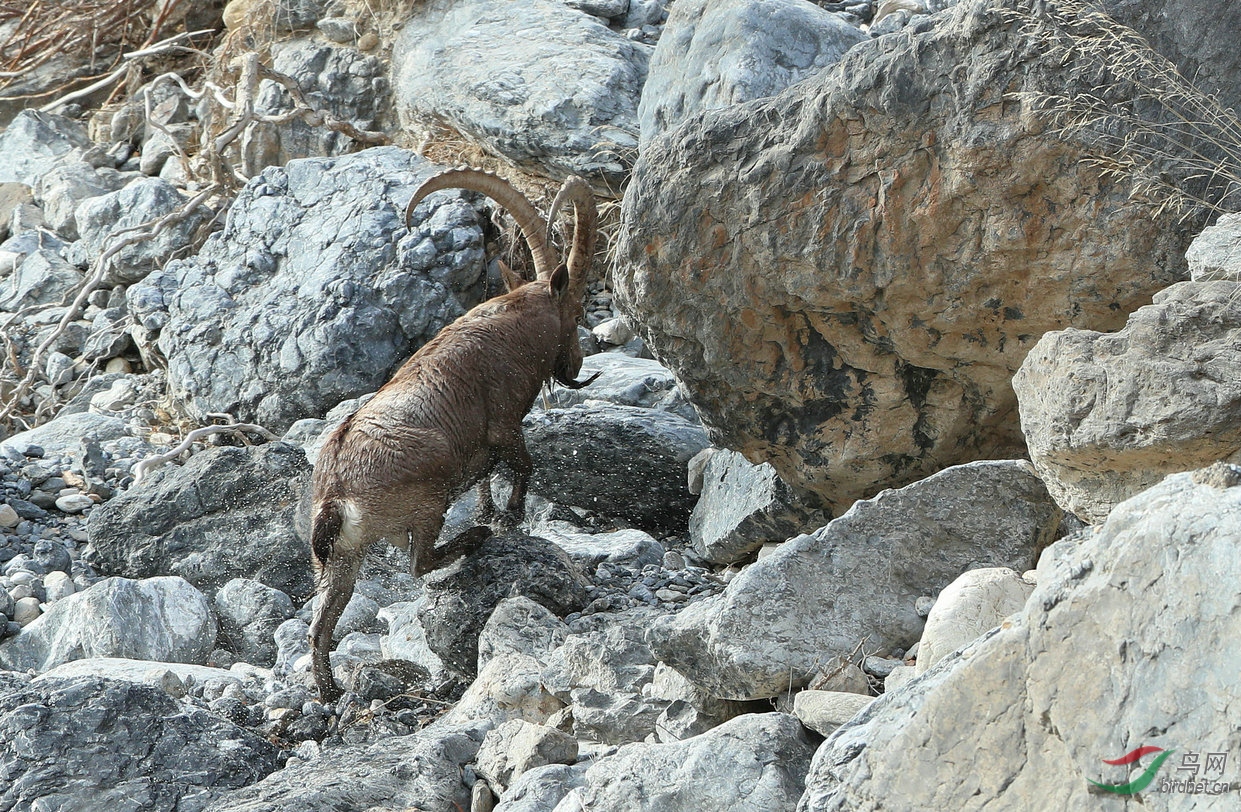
857, 579
227, 513
100, 744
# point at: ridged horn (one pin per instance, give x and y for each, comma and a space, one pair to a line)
577, 191
532, 226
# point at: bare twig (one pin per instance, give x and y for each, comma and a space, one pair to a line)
166, 46
140, 470
120, 240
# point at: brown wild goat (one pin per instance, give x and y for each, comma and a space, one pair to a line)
448, 415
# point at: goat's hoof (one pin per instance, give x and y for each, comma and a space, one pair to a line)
329, 691
507, 521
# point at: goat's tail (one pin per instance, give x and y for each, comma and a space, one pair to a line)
324, 533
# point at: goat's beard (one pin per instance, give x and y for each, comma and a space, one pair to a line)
565, 380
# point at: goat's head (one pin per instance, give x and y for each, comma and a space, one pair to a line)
565, 282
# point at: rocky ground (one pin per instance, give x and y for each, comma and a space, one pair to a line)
929, 501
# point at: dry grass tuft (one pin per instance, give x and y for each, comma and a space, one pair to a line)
1146, 122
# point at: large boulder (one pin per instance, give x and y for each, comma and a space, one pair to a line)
91, 743
1107, 415
421, 771
1125, 643
624, 462
544, 85
715, 53
227, 513
756, 761
859, 578
315, 291
161, 619
847, 288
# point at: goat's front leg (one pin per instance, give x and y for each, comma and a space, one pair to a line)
335, 587
486, 509
518, 459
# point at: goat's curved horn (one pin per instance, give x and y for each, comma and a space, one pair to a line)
575, 190
532, 226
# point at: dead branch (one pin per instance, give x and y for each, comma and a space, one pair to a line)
140, 470
119, 241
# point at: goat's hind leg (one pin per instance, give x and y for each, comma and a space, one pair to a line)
335, 587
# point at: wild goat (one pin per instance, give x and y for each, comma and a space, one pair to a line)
448, 415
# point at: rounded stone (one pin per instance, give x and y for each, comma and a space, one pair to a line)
26, 611
74, 503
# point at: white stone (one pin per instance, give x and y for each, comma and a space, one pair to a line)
26, 611
8, 516
824, 711
74, 503
1128, 640
58, 585
969, 607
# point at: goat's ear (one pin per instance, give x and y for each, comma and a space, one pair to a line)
512, 279
560, 281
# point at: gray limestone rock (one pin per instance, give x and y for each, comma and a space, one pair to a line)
422, 770
91, 743
520, 625
41, 277
626, 381
857, 579
100, 218
716, 53
65, 186
516, 747
162, 619
341, 81
1215, 254
542, 788
552, 89
227, 513
744, 506
1107, 415
620, 461
35, 142
459, 600
315, 291
613, 660
756, 761
249, 613
824, 711
631, 548
63, 436
1124, 643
